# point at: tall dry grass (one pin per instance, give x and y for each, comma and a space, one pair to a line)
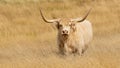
26, 41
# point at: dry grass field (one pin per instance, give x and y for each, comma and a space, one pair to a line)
26, 41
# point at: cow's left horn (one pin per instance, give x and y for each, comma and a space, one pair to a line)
79, 19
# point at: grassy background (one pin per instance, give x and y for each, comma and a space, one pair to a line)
26, 41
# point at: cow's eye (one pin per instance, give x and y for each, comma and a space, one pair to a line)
60, 25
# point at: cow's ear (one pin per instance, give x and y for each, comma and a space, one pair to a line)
58, 25
73, 26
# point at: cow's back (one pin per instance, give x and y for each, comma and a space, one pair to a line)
86, 28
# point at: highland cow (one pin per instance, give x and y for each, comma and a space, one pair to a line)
74, 35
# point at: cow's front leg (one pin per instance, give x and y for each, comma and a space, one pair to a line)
61, 49
66, 50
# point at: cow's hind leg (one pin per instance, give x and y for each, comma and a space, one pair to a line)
79, 51
84, 49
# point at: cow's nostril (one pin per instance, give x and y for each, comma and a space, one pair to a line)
65, 32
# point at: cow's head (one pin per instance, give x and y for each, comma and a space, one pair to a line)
65, 26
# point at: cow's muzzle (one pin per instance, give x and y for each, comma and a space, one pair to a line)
65, 33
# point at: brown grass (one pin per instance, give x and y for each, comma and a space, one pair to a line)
26, 41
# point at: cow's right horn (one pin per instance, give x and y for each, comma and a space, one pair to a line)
48, 21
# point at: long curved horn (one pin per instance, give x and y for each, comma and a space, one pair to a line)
79, 19
48, 21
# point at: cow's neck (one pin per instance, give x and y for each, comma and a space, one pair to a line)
69, 38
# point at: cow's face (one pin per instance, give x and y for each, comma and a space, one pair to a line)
66, 28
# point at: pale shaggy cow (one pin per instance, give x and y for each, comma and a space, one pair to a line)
74, 35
